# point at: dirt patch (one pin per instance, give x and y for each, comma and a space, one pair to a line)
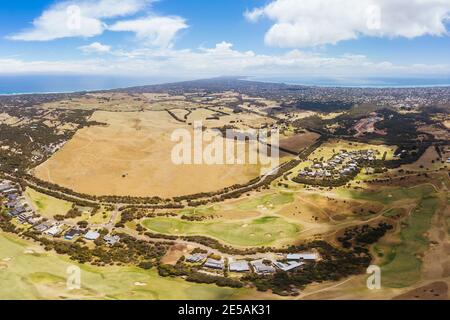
175, 253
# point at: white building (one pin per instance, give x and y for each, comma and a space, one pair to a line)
303, 256
214, 264
53, 231
196, 258
92, 235
291, 265
261, 268
239, 266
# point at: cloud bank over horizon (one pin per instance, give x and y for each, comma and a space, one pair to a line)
310, 23
218, 60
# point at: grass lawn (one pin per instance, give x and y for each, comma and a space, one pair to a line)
256, 232
204, 210
46, 205
101, 217
402, 267
389, 195
30, 275
277, 199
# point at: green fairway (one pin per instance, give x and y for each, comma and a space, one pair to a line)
389, 195
267, 200
257, 232
47, 205
25, 274
402, 266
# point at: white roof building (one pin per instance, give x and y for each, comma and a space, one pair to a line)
53, 231
261, 268
197, 257
239, 266
291, 265
302, 256
92, 235
111, 240
214, 264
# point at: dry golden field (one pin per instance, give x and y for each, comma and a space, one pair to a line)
299, 141
131, 155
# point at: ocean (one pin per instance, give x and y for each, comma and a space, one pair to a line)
20, 84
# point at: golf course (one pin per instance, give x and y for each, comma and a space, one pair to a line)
262, 231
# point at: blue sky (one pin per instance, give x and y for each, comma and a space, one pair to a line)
199, 38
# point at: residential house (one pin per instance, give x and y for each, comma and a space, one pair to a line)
111, 240
196, 258
303, 256
261, 268
72, 233
53, 231
239, 266
214, 264
290, 265
92, 235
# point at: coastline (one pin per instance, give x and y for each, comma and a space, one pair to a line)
316, 84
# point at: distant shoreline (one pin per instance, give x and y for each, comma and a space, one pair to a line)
317, 84
349, 86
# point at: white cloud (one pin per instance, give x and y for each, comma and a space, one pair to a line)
87, 18
317, 22
222, 59
95, 47
154, 30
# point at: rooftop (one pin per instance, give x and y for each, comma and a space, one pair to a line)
214, 264
92, 235
302, 256
239, 266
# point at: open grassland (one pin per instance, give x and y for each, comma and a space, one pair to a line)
27, 272
99, 101
131, 155
262, 231
402, 265
46, 205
